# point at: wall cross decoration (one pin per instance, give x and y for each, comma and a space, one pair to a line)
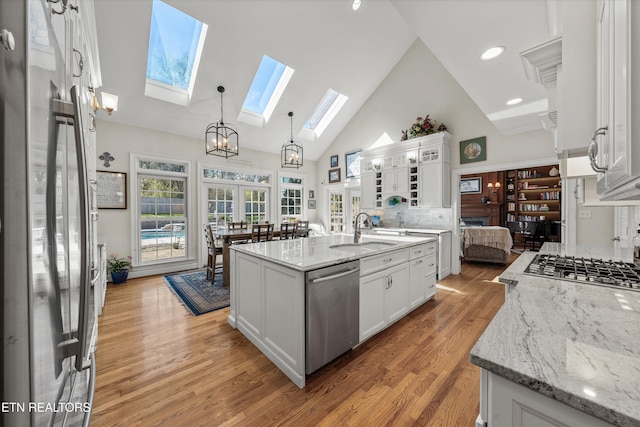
107, 157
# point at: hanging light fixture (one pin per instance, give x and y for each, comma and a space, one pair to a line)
220, 139
291, 153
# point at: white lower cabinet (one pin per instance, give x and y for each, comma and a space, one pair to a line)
422, 274
273, 323
384, 298
512, 405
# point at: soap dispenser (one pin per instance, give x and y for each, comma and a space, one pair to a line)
636, 248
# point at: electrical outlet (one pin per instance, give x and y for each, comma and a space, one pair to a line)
584, 213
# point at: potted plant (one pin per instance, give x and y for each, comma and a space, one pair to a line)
119, 268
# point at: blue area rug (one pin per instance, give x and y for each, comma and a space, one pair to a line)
197, 293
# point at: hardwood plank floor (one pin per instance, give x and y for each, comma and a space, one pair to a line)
159, 365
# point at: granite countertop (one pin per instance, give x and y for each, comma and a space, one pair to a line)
576, 343
410, 230
315, 252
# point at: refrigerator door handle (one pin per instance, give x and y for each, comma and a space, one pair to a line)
76, 345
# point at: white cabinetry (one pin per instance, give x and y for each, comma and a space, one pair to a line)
384, 291
511, 405
273, 324
418, 169
615, 148
395, 181
435, 175
422, 274
371, 190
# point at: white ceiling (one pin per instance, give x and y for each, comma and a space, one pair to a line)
329, 46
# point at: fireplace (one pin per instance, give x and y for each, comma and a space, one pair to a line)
475, 221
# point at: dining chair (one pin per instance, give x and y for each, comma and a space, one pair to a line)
303, 229
261, 233
240, 225
212, 252
288, 230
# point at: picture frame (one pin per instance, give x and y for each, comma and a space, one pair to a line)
334, 175
111, 190
471, 185
312, 204
334, 161
312, 194
352, 164
473, 150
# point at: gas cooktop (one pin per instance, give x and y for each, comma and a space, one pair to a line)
615, 274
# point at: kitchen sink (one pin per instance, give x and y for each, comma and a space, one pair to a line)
357, 247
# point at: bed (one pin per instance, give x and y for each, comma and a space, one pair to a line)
486, 244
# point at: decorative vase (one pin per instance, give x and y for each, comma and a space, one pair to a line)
554, 171
119, 276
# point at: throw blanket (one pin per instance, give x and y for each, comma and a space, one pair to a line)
495, 237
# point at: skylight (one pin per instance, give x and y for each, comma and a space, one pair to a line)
175, 46
324, 113
268, 85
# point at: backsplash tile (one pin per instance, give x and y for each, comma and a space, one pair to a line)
438, 218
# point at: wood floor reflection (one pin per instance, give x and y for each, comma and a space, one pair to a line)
159, 365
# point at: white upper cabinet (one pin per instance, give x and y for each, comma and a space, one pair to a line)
615, 147
418, 170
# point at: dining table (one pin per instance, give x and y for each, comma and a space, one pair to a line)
228, 237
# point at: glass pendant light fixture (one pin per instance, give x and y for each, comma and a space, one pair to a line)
221, 139
291, 153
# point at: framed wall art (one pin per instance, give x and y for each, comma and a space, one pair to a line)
312, 204
471, 185
334, 161
334, 175
111, 190
352, 164
312, 194
473, 150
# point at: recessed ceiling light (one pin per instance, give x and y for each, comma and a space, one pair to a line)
514, 101
356, 4
492, 52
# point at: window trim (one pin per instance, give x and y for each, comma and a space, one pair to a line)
283, 185
161, 266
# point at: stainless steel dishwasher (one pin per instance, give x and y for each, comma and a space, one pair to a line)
332, 307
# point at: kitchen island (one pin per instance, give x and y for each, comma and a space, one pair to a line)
560, 352
268, 288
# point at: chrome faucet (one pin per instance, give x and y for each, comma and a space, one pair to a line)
357, 232
401, 221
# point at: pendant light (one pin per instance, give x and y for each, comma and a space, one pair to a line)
291, 153
220, 139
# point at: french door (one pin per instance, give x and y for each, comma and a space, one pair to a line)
227, 203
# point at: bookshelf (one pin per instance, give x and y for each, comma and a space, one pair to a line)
533, 194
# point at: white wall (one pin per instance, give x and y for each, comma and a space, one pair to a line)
419, 85
114, 226
597, 230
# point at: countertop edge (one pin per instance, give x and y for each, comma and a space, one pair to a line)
404, 244
587, 406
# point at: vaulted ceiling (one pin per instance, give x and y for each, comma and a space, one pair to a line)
329, 46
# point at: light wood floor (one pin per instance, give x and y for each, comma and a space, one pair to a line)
159, 365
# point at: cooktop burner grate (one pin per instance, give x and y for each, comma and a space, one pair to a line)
615, 274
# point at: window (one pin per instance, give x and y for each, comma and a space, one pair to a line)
336, 212
268, 85
324, 113
161, 218
291, 197
175, 46
255, 206
236, 196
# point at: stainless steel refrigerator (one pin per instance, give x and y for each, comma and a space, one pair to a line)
48, 317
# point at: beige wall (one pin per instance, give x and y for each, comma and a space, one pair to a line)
598, 229
114, 226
